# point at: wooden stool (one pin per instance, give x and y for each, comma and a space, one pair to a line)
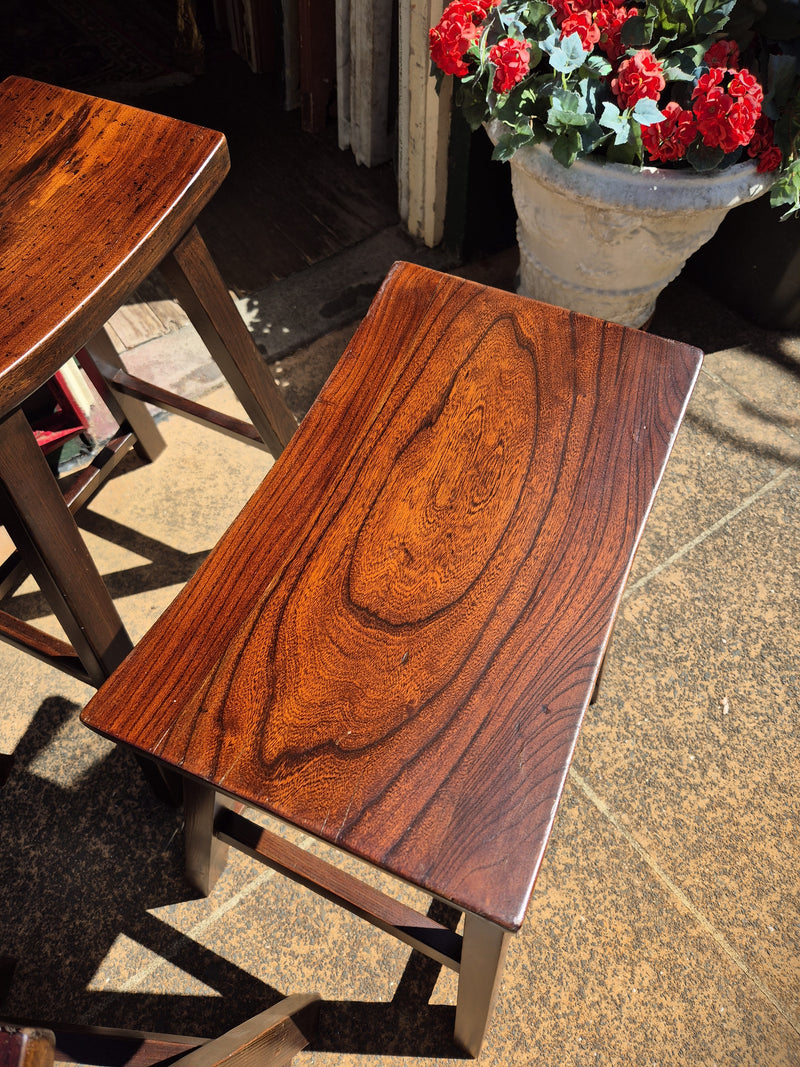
93, 196
270, 1039
393, 646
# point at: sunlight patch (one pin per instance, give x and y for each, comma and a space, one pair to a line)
70, 755
129, 966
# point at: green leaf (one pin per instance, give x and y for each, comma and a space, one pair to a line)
646, 112
569, 100
508, 144
624, 153
702, 158
536, 54
618, 122
635, 32
786, 192
556, 118
472, 104
536, 12
598, 65
714, 18
592, 136
565, 55
566, 147
682, 65
567, 109
519, 102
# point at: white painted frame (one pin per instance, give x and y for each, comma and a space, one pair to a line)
424, 126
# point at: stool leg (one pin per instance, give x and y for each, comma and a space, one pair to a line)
40, 524
206, 856
100, 365
44, 532
483, 954
194, 279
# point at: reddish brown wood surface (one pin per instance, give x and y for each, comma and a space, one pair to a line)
394, 644
25, 1047
84, 183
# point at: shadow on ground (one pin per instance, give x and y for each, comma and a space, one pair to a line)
90, 853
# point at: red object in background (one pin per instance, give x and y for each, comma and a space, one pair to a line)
64, 421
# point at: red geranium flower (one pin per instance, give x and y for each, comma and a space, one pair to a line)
722, 54
597, 22
582, 23
744, 84
707, 83
611, 17
727, 104
455, 31
512, 59
668, 140
567, 8
763, 147
769, 160
638, 78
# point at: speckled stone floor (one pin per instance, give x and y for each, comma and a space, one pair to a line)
665, 926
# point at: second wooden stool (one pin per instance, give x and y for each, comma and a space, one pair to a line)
93, 196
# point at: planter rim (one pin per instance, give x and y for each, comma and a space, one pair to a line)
647, 189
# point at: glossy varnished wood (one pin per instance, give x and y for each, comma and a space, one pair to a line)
394, 645
72, 244
93, 196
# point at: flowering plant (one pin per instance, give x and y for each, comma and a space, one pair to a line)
675, 83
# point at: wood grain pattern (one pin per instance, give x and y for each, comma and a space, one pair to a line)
394, 645
71, 246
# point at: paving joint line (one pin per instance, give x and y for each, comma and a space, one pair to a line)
767, 487
675, 891
133, 981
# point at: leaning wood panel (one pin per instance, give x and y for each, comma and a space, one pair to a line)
394, 645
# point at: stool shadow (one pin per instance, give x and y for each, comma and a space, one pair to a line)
87, 852
168, 566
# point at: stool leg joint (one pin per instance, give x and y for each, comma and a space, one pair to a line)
206, 855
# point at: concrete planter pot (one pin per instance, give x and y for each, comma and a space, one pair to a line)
605, 238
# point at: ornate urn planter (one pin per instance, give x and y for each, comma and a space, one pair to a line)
604, 238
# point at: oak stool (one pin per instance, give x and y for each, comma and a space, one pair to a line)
393, 646
94, 195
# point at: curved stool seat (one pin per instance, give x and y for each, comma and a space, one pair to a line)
93, 196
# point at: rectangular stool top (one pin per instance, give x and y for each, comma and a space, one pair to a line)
393, 646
